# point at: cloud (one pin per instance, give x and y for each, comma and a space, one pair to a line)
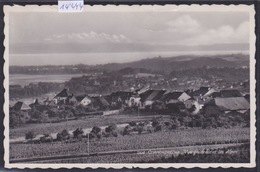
224, 34
183, 24
89, 37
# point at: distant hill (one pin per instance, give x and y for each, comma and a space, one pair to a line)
183, 62
159, 64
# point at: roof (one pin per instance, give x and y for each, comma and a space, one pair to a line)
80, 98
100, 101
215, 94
35, 103
171, 95
231, 103
104, 101
230, 93
201, 91
63, 93
21, 106
152, 95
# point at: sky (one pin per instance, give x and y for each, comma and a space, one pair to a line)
39, 38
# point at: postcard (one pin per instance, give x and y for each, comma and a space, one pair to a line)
129, 86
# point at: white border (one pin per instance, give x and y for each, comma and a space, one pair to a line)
135, 8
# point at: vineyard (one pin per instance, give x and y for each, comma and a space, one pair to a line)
232, 154
161, 139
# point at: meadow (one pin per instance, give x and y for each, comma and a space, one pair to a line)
163, 139
88, 122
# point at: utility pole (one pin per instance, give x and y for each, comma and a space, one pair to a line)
88, 143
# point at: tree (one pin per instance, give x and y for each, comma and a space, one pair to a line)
17, 118
96, 132
127, 130
155, 122
78, 133
111, 130
64, 135
29, 135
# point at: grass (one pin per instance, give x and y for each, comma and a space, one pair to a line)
143, 141
88, 122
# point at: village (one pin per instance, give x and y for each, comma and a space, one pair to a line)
204, 100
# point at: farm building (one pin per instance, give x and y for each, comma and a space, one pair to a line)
21, 106
225, 105
150, 96
173, 97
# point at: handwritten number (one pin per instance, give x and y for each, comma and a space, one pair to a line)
62, 7
72, 6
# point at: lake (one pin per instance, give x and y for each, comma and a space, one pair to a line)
22, 79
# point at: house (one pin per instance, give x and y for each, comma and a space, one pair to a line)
174, 97
71, 100
150, 96
83, 100
192, 105
21, 106
62, 96
226, 105
135, 100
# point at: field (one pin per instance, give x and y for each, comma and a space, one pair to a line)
89, 122
236, 154
163, 139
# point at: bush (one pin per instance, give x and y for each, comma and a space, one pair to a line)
64, 135
17, 118
46, 138
155, 122
205, 125
114, 133
96, 132
29, 135
127, 130
132, 123
78, 133
140, 129
111, 130
158, 128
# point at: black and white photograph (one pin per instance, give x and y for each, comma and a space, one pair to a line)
130, 86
